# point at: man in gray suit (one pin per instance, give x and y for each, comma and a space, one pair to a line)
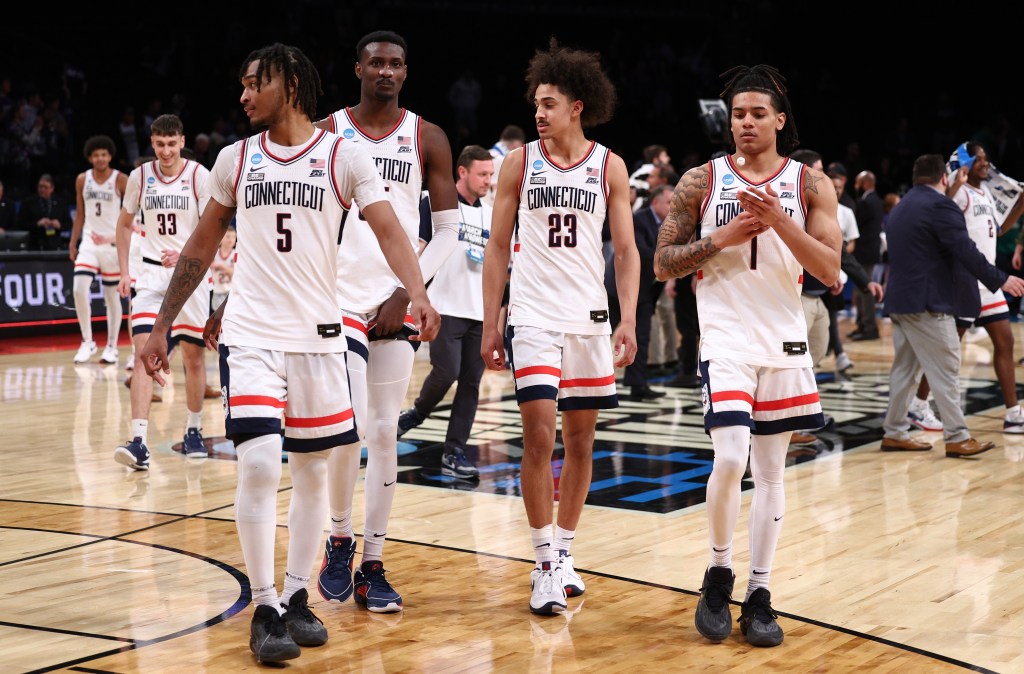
933, 266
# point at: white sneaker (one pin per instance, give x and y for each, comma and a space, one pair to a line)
110, 355
574, 585
920, 414
1013, 422
85, 352
548, 595
843, 362
130, 365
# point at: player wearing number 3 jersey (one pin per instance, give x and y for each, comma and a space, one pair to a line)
560, 189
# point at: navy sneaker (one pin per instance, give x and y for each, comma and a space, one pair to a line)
374, 591
455, 464
408, 420
193, 447
133, 454
335, 581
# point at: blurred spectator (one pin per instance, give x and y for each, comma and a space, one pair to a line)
45, 217
8, 213
129, 141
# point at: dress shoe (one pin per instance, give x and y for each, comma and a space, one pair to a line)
644, 393
211, 392
864, 336
684, 381
908, 445
853, 333
968, 447
799, 438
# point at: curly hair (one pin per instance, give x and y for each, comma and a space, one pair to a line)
764, 79
577, 74
302, 81
99, 143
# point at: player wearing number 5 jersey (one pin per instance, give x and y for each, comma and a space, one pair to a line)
171, 193
560, 190
749, 224
282, 348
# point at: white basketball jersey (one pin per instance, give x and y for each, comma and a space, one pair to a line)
980, 214
364, 278
102, 204
748, 296
558, 274
291, 205
170, 206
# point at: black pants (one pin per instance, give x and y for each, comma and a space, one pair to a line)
687, 324
454, 356
865, 303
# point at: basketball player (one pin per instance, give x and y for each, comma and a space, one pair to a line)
749, 223
559, 189
282, 348
171, 192
409, 151
968, 190
98, 197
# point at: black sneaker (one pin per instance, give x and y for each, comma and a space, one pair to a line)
456, 464
408, 420
304, 627
268, 636
713, 619
757, 620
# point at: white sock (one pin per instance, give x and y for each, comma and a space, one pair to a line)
542, 542
292, 584
195, 419
140, 428
563, 539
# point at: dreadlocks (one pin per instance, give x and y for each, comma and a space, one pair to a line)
767, 80
577, 74
302, 82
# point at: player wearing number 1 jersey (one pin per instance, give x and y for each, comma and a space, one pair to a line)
99, 192
282, 348
560, 190
749, 224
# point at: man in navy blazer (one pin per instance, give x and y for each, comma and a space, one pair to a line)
933, 268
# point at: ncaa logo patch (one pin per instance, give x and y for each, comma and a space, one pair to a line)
150, 180
348, 133
256, 158
538, 165
728, 179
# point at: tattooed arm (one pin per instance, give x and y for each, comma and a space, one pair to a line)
192, 267
677, 253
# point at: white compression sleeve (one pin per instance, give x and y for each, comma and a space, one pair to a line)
732, 445
259, 474
443, 242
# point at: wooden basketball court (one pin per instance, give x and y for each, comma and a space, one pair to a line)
888, 561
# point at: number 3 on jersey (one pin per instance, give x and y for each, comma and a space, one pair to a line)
557, 239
